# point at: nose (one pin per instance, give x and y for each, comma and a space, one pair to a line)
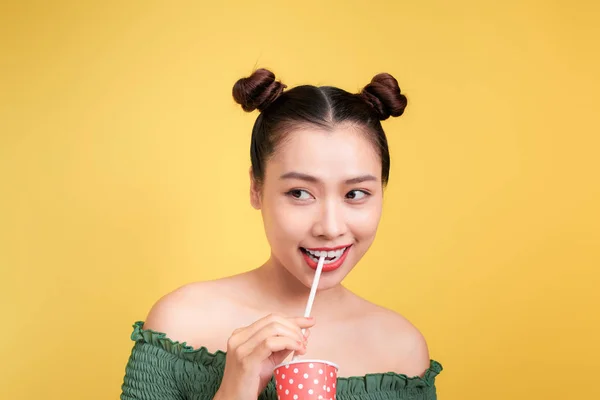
330, 222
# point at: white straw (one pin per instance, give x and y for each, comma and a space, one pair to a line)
313, 291
313, 288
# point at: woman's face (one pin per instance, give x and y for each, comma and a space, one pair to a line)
322, 195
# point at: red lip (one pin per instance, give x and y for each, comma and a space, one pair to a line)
327, 267
328, 248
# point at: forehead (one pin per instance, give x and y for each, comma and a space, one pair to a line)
341, 153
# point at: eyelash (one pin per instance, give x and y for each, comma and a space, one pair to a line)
291, 193
367, 194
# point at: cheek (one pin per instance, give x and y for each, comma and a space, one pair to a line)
285, 222
364, 222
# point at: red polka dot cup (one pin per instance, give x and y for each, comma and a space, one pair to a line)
306, 379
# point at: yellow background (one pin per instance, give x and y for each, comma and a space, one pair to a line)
123, 170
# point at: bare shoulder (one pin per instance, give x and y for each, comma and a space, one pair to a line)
400, 345
194, 313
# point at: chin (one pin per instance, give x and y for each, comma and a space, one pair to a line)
327, 280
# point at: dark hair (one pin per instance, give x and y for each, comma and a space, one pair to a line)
323, 106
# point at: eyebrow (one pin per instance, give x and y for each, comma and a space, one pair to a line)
310, 178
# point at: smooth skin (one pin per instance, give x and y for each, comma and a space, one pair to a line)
321, 189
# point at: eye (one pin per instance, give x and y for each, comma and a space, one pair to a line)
357, 195
299, 194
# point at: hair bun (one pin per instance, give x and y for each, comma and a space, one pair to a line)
257, 91
383, 95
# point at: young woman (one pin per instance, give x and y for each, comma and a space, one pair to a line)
320, 163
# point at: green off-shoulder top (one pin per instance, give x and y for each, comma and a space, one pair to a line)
161, 369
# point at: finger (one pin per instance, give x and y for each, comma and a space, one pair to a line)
299, 324
274, 344
304, 323
274, 329
306, 333
242, 335
280, 356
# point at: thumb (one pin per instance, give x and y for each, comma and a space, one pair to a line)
280, 356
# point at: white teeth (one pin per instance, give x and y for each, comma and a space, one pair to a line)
331, 256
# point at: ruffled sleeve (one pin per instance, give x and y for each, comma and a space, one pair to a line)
162, 369
384, 386
150, 375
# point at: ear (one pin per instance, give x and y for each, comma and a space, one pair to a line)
255, 198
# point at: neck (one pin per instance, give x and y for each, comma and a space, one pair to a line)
286, 294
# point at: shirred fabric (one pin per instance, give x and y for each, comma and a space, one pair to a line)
161, 369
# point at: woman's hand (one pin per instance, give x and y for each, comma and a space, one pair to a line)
255, 350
